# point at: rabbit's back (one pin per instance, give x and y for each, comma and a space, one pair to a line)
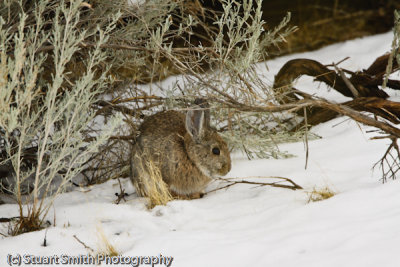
163, 124
162, 132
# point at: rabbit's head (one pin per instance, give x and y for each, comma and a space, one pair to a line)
204, 146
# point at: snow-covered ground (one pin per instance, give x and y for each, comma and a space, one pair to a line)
246, 225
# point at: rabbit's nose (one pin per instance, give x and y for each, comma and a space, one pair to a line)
225, 168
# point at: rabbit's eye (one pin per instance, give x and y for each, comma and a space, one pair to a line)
216, 151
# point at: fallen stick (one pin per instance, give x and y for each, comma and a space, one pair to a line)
233, 181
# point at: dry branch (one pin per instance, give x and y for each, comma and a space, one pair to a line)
332, 107
295, 68
362, 86
106, 106
389, 163
233, 181
349, 85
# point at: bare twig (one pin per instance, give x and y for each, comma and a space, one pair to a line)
389, 160
120, 196
337, 63
123, 109
306, 137
347, 82
84, 245
122, 137
233, 181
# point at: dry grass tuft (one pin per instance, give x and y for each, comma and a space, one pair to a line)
151, 184
320, 194
105, 247
25, 224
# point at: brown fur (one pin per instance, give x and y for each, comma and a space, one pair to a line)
187, 163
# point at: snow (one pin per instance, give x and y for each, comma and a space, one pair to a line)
245, 225
136, 3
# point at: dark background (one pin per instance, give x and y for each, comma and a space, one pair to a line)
323, 22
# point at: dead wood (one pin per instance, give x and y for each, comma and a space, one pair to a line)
361, 86
378, 67
295, 68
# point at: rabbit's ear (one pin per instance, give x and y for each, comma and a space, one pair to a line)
195, 122
203, 104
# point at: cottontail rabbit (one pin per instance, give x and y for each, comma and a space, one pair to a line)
184, 148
